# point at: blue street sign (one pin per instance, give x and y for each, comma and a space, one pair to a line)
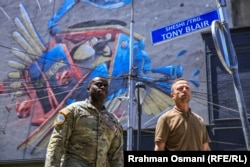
184, 27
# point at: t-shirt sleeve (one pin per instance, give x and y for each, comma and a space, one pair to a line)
206, 138
161, 130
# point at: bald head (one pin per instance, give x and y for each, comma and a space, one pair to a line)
181, 91
176, 81
96, 79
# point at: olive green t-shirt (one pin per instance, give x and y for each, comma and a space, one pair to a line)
181, 131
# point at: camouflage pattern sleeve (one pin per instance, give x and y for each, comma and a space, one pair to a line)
116, 156
59, 138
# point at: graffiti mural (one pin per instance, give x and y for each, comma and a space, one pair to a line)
47, 76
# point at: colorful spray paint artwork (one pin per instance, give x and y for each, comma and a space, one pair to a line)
52, 75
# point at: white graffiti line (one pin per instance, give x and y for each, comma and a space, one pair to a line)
5, 13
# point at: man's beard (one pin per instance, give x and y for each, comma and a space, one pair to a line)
185, 99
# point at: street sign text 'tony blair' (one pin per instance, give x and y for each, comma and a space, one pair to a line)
184, 27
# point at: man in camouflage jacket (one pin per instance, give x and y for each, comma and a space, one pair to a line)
85, 134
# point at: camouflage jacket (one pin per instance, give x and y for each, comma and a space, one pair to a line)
84, 136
